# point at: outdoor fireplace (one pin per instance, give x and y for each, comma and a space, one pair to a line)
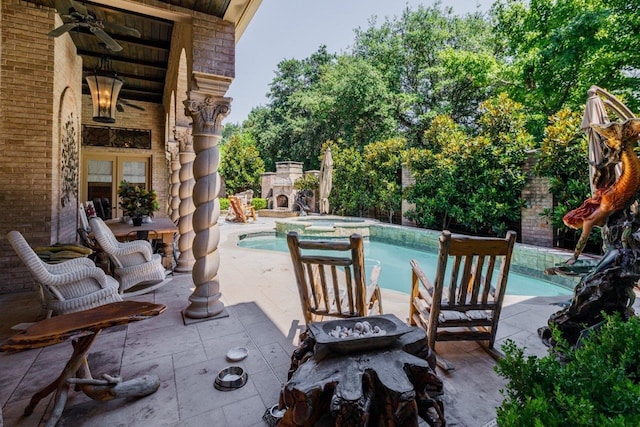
278, 187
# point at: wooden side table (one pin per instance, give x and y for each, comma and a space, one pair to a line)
386, 387
82, 328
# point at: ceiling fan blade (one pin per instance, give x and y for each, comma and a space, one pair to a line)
134, 106
121, 29
77, 6
106, 39
62, 29
63, 6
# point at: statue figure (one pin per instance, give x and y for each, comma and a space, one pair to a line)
608, 287
303, 202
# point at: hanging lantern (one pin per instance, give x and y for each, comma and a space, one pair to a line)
105, 86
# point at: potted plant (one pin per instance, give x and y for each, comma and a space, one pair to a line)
137, 202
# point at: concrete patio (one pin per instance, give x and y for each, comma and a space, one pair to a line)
261, 300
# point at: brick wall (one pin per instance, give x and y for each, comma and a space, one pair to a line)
26, 143
536, 230
213, 46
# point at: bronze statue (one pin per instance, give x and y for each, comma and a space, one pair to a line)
608, 287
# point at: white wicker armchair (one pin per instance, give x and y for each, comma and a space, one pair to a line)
70, 286
136, 266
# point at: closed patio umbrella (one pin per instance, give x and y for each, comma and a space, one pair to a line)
325, 181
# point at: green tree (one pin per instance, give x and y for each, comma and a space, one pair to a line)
351, 192
283, 130
351, 104
558, 49
383, 161
434, 62
241, 165
471, 183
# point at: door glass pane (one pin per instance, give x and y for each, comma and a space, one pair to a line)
100, 186
135, 172
100, 179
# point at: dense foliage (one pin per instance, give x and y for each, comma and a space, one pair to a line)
558, 49
437, 82
563, 158
434, 62
471, 183
241, 165
597, 385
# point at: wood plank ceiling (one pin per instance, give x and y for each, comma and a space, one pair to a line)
142, 62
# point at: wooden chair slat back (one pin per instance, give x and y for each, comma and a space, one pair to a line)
467, 267
333, 285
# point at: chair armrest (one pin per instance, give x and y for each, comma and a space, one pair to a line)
426, 292
79, 274
75, 263
137, 246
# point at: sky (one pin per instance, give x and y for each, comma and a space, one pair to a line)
286, 29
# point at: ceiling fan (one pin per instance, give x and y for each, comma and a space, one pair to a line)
122, 102
76, 15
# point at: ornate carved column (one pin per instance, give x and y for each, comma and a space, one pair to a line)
185, 225
207, 113
174, 181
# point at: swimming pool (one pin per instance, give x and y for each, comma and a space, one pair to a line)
396, 272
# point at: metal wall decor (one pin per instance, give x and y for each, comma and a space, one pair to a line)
69, 161
103, 136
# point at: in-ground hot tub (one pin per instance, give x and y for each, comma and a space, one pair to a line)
326, 225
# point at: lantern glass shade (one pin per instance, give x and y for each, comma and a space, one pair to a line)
104, 96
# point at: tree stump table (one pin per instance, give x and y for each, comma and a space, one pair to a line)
82, 328
388, 386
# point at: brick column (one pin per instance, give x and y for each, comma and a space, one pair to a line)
407, 180
207, 115
536, 229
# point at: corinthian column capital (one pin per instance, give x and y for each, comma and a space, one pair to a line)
207, 113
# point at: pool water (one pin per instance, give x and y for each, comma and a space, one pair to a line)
396, 271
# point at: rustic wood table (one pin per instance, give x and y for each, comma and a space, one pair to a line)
82, 328
165, 228
390, 386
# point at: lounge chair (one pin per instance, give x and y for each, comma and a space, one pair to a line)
463, 303
136, 267
69, 286
333, 285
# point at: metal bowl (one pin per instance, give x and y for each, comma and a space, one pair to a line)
230, 378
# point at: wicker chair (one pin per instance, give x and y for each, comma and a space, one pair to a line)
70, 286
136, 267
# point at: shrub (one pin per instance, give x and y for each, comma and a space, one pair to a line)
259, 203
224, 204
595, 384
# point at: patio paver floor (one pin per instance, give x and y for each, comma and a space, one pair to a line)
260, 296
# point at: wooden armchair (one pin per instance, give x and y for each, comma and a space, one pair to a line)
135, 264
69, 286
330, 284
464, 302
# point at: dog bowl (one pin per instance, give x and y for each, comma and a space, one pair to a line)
230, 378
237, 354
